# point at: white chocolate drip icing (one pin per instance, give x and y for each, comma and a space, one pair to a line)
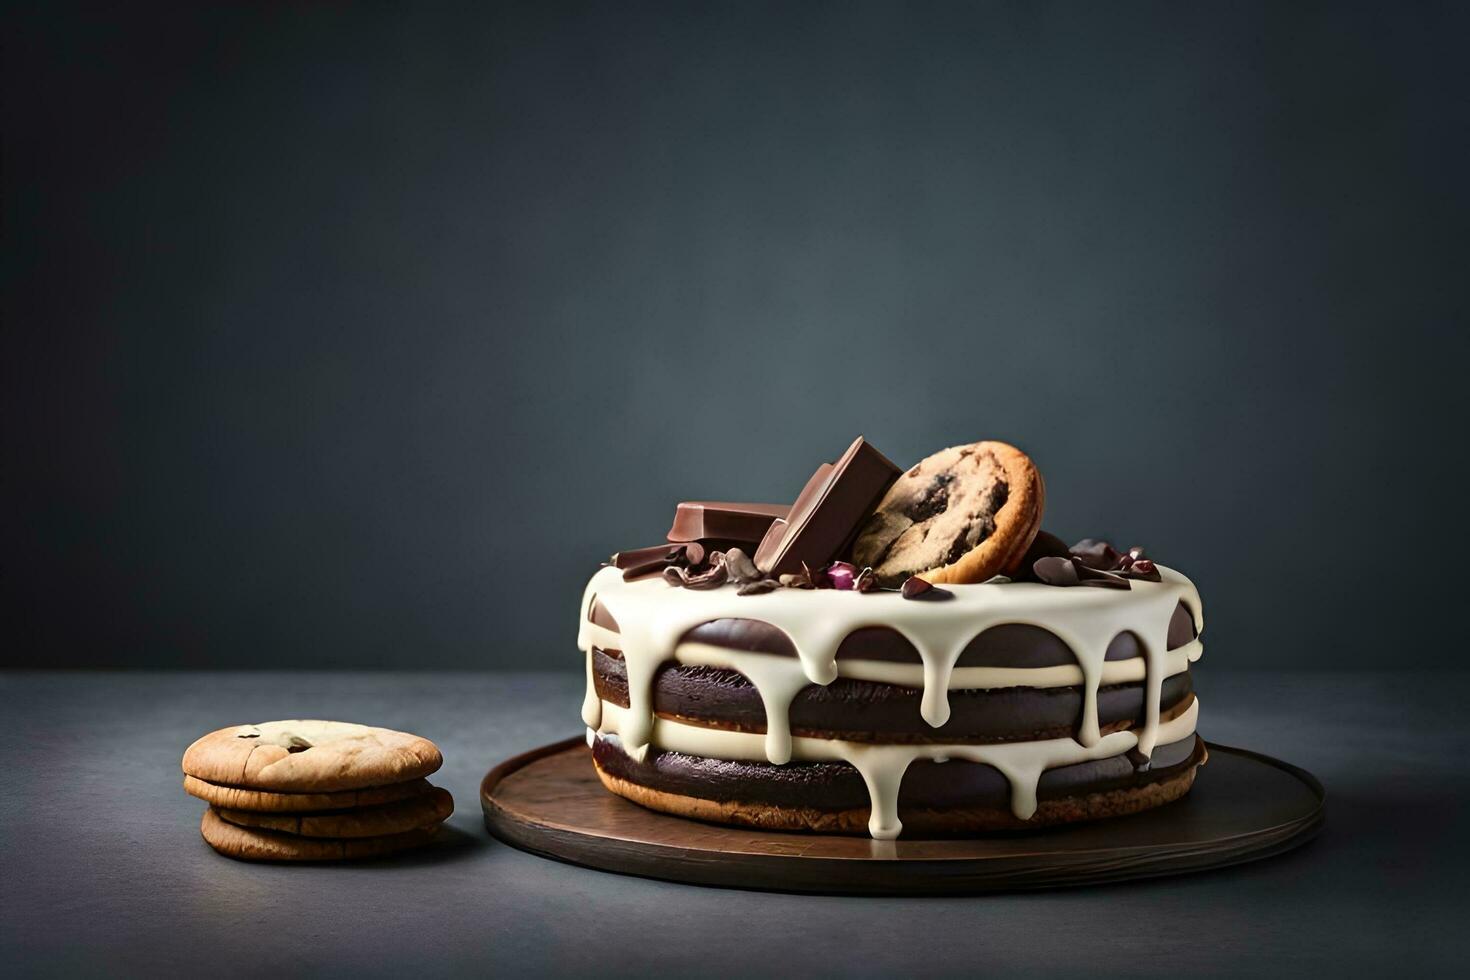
653, 617
883, 766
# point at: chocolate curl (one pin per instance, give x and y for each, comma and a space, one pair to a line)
712, 577
640, 562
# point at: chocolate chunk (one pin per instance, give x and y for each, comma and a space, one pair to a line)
759, 586
830, 509
918, 588
723, 522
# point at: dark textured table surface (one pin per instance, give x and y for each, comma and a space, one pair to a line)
103, 869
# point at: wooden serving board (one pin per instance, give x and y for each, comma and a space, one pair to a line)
1244, 806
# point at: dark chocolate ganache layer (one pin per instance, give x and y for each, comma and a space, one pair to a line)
867, 711
837, 786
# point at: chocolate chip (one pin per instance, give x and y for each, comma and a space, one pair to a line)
934, 499
918, 588
694, 553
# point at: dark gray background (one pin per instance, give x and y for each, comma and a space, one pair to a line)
357, 336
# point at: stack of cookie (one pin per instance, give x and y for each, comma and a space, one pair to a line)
315, 790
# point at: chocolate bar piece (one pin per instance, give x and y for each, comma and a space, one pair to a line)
826, 516
723, 522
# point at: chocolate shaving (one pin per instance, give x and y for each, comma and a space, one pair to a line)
758, 587
1096, 553
1131, 564
793, 581
740, 567
866, 581
815, 578
922, 589
712, 577
1072, 571
653, 560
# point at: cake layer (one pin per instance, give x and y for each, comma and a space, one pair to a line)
883, 766
838, 786
934, 797
866, 711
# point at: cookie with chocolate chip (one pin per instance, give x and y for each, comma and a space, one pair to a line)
309, 756
264, 801
416, 813
253, 844
962, 515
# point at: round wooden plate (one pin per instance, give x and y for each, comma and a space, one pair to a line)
1244, 806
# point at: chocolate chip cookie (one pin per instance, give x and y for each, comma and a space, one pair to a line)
264, 801
309, 756
252, 844
962, 515
416, 813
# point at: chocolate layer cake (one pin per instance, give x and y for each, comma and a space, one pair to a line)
1055, 688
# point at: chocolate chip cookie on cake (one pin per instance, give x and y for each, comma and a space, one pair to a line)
315, 790
896, 652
